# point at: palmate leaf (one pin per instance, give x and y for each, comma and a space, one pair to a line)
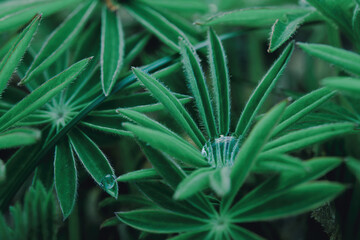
181, 150
94, 161
65, 177
197, 82
163, 95
60, 40
17, 50
41, 95
156, 23
253, 17
248, 153
221, 82
347, 60
262, 91
19, 137
112, 48
161, 221
16, 13
297, 200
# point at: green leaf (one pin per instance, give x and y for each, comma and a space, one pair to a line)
42, 94
306, 137
354, 166
180, 150
221, 82
220, 181
16, 13
2, 171
298, 200
156, 23
19, 137
182, 6
15, 53
241, 233
139, 175
281, 183
302, 107
172, 104
284, 28
337, 11
194, 183
60, 40
94, 161
253, 17
249, 151
278, 163
348, 84
160, 221
197, 83
190, 235
112, 48
356, 22
349, 61
261, 92
162, 195
147, 122
65, 177
173, 175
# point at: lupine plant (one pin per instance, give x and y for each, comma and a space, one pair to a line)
86, 84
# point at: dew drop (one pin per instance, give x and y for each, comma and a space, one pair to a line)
108, 182
221, 152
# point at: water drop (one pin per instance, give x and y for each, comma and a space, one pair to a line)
108, 182
221, 152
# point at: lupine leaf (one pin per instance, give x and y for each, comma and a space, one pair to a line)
305, 137
336, 11
247, 156
298, 200
302, 107
42, 94
349, 61
162, 195
278, 163
19, 137
60, 40
16, 13
356, 22
112, 48
160, 221
241, 233
180, 150
221, 82
190, 235
139, 175
281, 183
65, 177
253, 17
94, 161
179, 6
220, 181
354, 166
147, 122
348, 84
262, 91
2, 172
284, 28
197, 82
156, 23
12, 58
163, 95
194, 183
173, 175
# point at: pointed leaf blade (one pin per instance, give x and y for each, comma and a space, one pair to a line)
112, 48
